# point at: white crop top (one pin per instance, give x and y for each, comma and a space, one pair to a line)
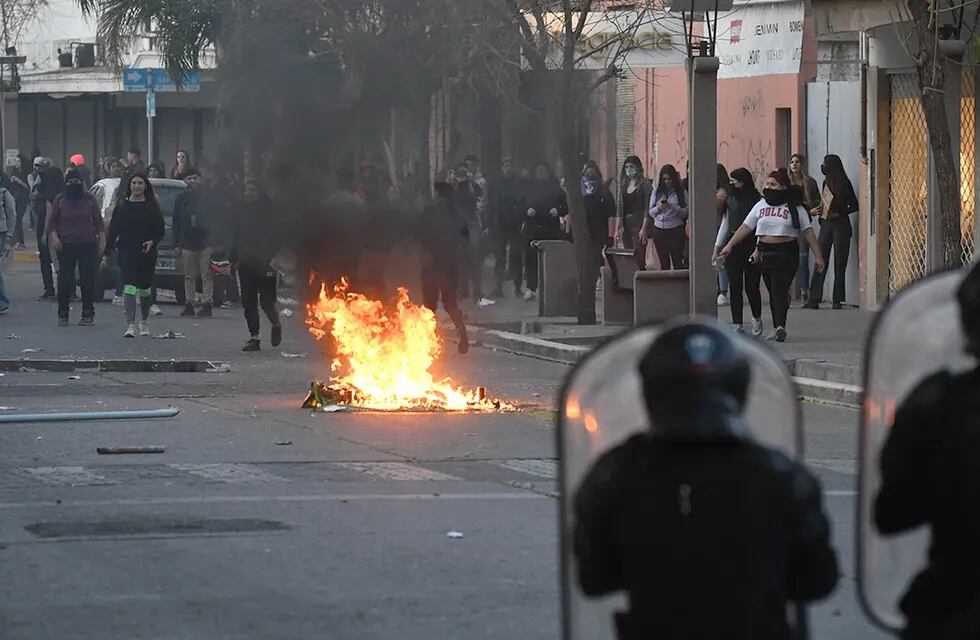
769, 220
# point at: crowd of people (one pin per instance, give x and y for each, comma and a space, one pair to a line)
224, 235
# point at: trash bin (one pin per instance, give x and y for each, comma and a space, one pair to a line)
557, 278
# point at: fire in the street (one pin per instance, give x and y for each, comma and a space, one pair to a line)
383, 356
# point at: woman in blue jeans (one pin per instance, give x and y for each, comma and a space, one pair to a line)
801, 180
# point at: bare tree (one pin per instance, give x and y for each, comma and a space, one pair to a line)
556, 46
17, 14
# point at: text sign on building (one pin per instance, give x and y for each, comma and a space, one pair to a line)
159, 80
760, 39
627, 39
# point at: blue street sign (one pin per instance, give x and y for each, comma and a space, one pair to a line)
160, 80
134, 79
151, 104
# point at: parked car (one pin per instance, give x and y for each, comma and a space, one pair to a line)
170, 270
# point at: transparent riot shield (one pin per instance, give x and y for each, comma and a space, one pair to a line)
602, 405
917, 334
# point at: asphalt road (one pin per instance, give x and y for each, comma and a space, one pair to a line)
262, 520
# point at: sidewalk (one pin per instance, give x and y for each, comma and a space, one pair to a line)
824, 349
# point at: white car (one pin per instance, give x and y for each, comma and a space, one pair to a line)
169, 272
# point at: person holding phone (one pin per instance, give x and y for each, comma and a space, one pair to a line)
666, 218
135, 231
838, 202
777, 221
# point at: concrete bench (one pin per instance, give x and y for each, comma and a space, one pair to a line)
557, 278
617, 286
660, 295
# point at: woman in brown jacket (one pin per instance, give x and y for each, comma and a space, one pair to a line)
634, 196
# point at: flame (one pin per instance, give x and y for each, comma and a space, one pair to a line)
383, 357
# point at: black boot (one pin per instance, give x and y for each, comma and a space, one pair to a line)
251, 345
276, 335
188, 311
205, 311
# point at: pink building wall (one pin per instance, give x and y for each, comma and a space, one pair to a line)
748, 133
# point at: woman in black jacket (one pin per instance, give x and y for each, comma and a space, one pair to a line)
600, 211
634, 198
838, 202
546, 205
743, 275
135, 231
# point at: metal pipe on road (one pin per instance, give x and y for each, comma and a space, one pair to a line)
13, 418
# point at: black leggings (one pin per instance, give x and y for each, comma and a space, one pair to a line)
670, 244
743, 276
779, 263
258, 288
834, 233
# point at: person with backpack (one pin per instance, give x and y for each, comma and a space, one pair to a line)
136, 230
777, 221
837, 203
77, 235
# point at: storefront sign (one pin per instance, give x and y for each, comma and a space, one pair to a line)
760, 39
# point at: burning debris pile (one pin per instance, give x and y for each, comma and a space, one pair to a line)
383, 357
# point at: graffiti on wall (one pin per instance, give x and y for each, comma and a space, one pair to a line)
753, 105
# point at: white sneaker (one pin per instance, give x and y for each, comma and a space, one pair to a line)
117, 301
130, 331
722, 300
757, 327
155, 310
530, 295
144, 328
738, 328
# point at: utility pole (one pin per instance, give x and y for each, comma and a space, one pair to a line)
151, 112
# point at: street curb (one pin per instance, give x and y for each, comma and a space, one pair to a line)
528, 345
816, 380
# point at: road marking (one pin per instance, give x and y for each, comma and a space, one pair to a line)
63, 476
847, 467
398, 471
540, 467
366, 497
229, 473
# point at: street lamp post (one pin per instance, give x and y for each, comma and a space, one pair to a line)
702, 135
13, 60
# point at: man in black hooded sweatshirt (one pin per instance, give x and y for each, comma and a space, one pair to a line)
442, 237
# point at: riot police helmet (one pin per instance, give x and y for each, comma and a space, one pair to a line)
693, 373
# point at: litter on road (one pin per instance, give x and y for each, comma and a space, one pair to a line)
293, 355
284, 443
13, 337
454, 534
73, 378
170, 335
30, 350
288, 313
109, 451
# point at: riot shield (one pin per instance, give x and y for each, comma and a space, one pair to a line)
917, 334
602, 405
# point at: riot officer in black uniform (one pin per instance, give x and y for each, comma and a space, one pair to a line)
710, 534
930, 474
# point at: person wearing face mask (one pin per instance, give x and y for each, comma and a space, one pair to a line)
837, 203
600, 211
77, 235
777, 221
635, 191
743, 274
